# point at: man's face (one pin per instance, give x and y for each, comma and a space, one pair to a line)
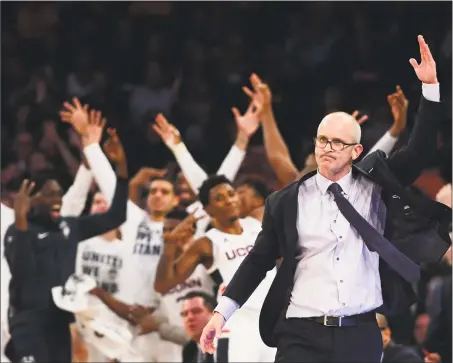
23, 145
421, 328
38, 162
195, 316
161, 197
49, 198
99, 204
224, 203
332, 161
249, 199
385, 331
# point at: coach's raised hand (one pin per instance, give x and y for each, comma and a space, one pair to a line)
426, 70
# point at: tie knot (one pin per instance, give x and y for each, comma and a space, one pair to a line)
335, 189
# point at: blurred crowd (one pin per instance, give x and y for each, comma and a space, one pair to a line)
189, 61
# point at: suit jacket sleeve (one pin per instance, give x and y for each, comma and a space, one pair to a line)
259, 261
97, 224
408, 162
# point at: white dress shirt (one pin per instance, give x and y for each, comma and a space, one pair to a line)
336, 275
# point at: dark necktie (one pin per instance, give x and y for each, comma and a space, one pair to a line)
399, 262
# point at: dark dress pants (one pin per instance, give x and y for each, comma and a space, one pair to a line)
302, 340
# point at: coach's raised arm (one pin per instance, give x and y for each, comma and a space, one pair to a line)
352, 240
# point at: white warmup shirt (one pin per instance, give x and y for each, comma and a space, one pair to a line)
229, 252
240, 340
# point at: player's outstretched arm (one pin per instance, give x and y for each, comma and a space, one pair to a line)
173, 269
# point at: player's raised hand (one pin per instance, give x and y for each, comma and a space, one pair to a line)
76, 115
183, 231
261, 93
113, 147
167, 132
426, 70
22, 202
398, 104
360, 120
94, 129
248, 122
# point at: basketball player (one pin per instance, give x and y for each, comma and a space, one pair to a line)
252, 193
73, 203
102, 258
199, 280
192, 176
223, 249
141, 233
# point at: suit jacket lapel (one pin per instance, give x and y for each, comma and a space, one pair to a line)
290, 218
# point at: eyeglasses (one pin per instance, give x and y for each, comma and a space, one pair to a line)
335, 145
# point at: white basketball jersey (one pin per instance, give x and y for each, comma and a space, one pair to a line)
172, 300
143, 238
230, 250
104, 261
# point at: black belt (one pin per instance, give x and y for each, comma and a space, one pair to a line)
345, 321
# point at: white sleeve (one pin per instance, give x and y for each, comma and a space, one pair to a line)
7, 214
78, 261
5, 278
106, 179
226, 307
431, 92
232, 163
102, 170
386, 144
7, 218
75, 198
194, 174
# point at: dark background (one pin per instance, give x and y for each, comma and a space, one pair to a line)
189, 61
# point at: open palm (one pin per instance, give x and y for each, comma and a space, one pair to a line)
426, 70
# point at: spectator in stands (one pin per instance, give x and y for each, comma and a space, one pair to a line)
196, 311
394, 352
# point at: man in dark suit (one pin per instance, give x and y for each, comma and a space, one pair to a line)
395, 353
329, 227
